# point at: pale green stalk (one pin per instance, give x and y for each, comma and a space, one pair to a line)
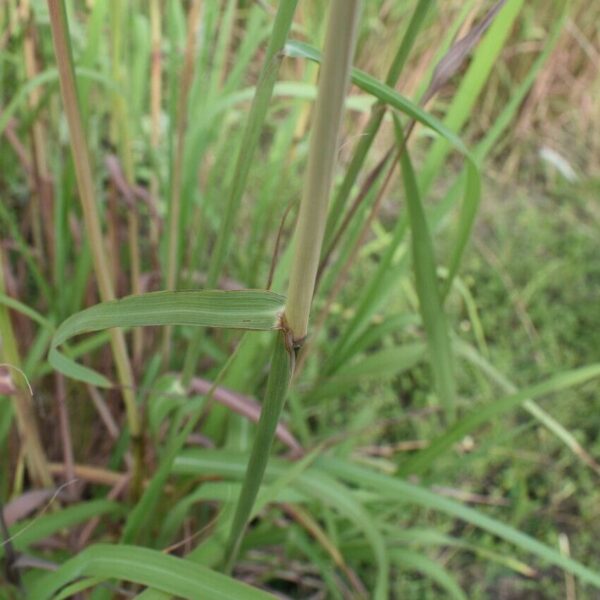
177, 167
333, 84
378, 111
175, 203
85, 184
22, 400
122, 134
335, 75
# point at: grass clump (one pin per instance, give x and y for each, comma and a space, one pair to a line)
273, 349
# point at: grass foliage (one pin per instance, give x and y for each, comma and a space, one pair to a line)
236, 229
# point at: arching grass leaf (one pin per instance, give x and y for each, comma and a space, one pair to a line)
152, 568
244, 309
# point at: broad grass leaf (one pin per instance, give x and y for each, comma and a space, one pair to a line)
244, 309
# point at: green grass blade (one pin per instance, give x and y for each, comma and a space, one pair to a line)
413, 561
310, 482
243, 309
424, 459
279, 378
389, 96
256, 117
560, 431
81, 585
386, 94
520, 92
430, 301
370, 298
147, 504
26, 310
147, 567
394, 490
372, 127
247, 148
39, 528
379, 366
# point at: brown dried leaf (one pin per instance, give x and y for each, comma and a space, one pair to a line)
24, 505
245, 406
457, 54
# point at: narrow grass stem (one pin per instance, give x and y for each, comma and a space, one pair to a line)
155, 98
122, 132
85, 183
250, 139
22, 400
176, 175
333, 84
372, 127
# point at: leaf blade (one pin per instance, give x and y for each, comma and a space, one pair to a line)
147, 567
254, 310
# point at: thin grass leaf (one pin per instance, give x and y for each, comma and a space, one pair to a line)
147, 503
413, 561
72, 590
389, 96
147, 567
26, 310
241, 309
560, 431
502, 121
385, 94
378, 366
310, 482
280, 373
38, 528
430, 301
431, 537
247, 148
483, 414
393, 489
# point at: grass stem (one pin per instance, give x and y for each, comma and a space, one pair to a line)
85, 183
22, 400
250, 139
333, 84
